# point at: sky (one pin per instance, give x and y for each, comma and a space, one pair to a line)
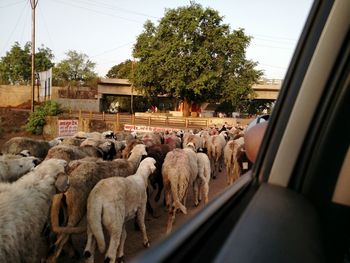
106, 30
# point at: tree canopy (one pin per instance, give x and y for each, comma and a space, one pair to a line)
122, 70
77, 67
15, 66
192, 55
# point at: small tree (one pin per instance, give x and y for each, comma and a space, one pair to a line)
122, 70
76, 69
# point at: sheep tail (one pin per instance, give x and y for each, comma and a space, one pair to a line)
175, 192
95, 224
54, 215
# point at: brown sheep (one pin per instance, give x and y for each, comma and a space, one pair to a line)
83, 178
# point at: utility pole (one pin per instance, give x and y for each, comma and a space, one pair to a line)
33, 4
132, 86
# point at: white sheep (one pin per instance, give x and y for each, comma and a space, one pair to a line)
111, 203
230, 157
215, 152
24, 210
176, 173
192, 158
13, 167
84, 175
202, 181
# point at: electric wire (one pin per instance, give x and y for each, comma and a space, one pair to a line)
14, 29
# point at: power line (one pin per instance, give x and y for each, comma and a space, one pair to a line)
110, 50
8, 5
13, 31
95, 11
286, 42
267, 46
24, 25
45, 25
275, 37
117, 8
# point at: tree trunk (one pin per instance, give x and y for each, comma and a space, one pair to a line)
187, 107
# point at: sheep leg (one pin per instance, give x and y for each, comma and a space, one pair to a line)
195, 192
58, 246
167, 196
120, 253
228, 175
205, 190
171, 219
114, 223
89, 251
220, 160
148, 203
200, 186
113, 244
212, 165
160, 188
141, 222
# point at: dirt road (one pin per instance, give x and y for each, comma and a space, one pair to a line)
155, 226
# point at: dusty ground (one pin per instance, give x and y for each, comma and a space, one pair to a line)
12, 125
156, 227
12, 122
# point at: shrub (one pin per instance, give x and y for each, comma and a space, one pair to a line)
37, 121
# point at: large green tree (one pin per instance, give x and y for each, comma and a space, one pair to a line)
76, 68
192, 55
122, 70
15, 66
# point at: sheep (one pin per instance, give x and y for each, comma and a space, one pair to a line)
243, 163
104, 150
176, 173
173, 141
151, 138
158, 152
83, 177
129, 145
95, 135
230, 158
197, 141
192, 158
215, 152
111, 203
13, 167
24, 210
72, 141
202, 181
37, 148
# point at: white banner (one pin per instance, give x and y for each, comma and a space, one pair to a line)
67, 127
45, 79
142, 128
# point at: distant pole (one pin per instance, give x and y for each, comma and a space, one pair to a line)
132, 86
33, 4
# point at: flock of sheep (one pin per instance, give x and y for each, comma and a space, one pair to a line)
49, 189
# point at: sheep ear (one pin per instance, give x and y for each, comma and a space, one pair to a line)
62, 183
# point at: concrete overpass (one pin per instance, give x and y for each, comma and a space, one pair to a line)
266, 90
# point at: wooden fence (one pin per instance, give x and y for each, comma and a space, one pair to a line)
120, 119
